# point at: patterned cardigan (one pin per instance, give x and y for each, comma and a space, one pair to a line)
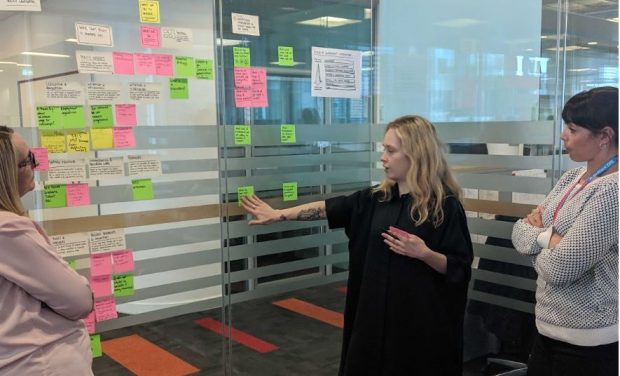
577, 286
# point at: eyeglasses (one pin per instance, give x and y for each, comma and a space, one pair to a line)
30, 161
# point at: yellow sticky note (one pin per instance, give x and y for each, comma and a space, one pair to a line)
149, 11
78, 141
248, 190
287, 134
54, 141
289, 191
242, 135
102, 138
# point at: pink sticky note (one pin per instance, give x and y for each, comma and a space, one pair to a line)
163, 64
100, 264
243, 97
123, 261
124, 138
150, 36
105, 309
101, 285
40, 154
125, 115
243, 77
259, 87
78, 194
123, 62
89, 322
145, 64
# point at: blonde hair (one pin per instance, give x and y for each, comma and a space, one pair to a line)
429, 177
9, 175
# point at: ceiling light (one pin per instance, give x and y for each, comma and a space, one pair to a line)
294, 63
328, 21
592, 43
367, 13
615, 19
8, 62
44, 54
24, 65
459, 22
569, 48
72, 40
230, 42
582, 70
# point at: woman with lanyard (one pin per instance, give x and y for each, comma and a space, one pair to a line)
572, 239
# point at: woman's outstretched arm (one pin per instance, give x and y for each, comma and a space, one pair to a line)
265, 214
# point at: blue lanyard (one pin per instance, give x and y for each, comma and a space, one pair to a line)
601, 170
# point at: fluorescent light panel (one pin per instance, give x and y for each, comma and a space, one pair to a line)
44, 54
328, 21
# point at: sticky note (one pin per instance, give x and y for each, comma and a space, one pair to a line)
142, 189
55, 196
289, 191
145, 64
204, 69
287, 134
78, 194
95, 345
105, 309
163, 65
243, 77
150, 36
149, 11
126, 115
102, 138
123, 62
101, 285
248, 190
123, 261
185, 66
40, 154
124, 138
242, 135
89, 322
53, 141
101, 116
179, 88
241, 57
72, 117
48, 117
285, 56
78, 142
100, 264
123, 285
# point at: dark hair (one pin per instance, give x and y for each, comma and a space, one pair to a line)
5, 129
594, 110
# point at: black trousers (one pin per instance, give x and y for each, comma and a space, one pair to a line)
550, 357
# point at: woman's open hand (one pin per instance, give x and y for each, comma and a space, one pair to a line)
262, 212
406, 244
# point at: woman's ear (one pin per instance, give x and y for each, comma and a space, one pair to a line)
607, 135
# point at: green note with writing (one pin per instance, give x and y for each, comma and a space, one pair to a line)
241, 57
142, 189
123, 285
242, 135
179, 88
289, 191
287, 134
55, 196
72, 117
204, 69
48, 117
102, 116
95, 345
247, 190
185, 66
285, 56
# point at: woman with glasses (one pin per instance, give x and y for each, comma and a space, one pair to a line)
572, 241
42, 298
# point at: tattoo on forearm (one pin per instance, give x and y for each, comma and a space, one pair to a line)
311, 214
282, 217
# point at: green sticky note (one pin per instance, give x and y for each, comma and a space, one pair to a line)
204, 69
142, 189
287, 134
241, 57
289, 191
72, 117
285, 56
248, 190
102, 116
72, 264
184, 66
123, 285
95, 345
179, 88
55, 196
48, 117
242, 135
